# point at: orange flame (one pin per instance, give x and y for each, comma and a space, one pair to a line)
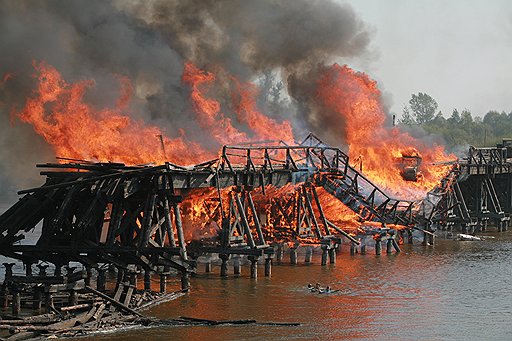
75, 129
264, 127
356, 100
207, 110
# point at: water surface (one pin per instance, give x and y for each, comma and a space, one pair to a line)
455, 291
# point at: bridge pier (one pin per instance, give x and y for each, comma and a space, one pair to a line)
293, 256
378, 246
268, 266
363, 245
163, 283
324, 255
389, 246
279, 253
185, 281
254, 266
332, 255
101, 280
237, 265
353, 248
309, 254
208, 266
224, 265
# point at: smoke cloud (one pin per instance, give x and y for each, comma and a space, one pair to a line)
149, 42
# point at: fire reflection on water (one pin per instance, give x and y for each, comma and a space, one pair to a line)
422, 293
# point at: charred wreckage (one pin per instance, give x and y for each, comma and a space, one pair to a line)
130, 218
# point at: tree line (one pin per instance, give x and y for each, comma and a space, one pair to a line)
461, 128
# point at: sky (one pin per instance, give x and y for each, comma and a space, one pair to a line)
459, 52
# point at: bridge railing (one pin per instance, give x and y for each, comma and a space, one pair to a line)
487, 156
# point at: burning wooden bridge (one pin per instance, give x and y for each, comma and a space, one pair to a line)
104, 214
476, 193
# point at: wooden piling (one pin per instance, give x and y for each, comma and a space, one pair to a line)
16, 301
224, 265
58, 269
185, 281
353, 249
48, 302
378, 246
309, 254
363, 246
332, 255
279, 253
179, 227
88, 277
101, 280
389, 246
293, 256
268, 266
73, 297
28, 268
254, 266
237, 265
163, 283
38, 298
5, 287
324, 255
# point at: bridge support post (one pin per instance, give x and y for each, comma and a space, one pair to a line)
254, 266
88, 277
208, 266
38, 298
268, 266
28, 268
389, 245
224, 265
363, 245
324, 254
332, 255
163, 283
185, 281
309, 254
378, 246
101, 280
279, 253
58, 269
16, 300
293, 256
49, 302
237, 265
353, 248
5, 288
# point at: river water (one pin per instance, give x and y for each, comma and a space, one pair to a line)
453, 290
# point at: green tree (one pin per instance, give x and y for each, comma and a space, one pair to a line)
406, 117
423, 108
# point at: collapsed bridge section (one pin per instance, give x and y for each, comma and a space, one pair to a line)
250, 201
108, 213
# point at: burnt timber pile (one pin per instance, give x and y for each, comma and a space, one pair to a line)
105, 215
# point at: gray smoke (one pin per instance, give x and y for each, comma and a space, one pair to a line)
149, 41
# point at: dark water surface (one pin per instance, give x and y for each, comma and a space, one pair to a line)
455, 291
